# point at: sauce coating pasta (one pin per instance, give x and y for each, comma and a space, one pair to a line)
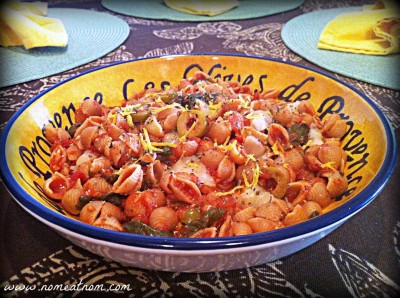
207, 158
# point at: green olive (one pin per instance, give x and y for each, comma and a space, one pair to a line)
168, 97
189, 118
192, 215
140, 116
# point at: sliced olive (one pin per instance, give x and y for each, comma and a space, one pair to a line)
167, 98
140, 116
73, 129
192, 120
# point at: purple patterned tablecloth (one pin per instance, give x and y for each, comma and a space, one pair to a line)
359, 259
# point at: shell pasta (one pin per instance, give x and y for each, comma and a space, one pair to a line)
206, 158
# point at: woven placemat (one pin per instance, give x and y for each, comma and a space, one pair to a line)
301, 35
91, 35
157, 9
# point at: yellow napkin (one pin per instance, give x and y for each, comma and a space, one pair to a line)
24, 24
373, 31
202, 7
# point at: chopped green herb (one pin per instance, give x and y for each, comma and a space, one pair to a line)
298, 134
138, 227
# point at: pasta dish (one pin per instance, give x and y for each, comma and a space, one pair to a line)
205, 158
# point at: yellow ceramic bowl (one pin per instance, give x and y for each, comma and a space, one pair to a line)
24, 157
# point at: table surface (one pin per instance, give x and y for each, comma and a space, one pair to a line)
359, 259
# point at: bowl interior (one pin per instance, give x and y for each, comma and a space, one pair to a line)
27, 153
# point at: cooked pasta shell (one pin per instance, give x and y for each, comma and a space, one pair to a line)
154, 127
135, 207
284, 205
253, 146
185, 148
109, 223
250, 131
88, 135
270, 93
331, 154
298, 215
109, 209
278, 134
129, 181
269, 211
283, 115
294, 159
58, 158
225, 170
91, 121
98, 165
236, 155
334, 126
296, 192
73, 152
319, 193
259, 224
91, 211
337, 184
245, 214
97, 186
155, 172
306, 107
102, 142
114, 131
56, 186
312, 209
212, 157
163, 218
86, 157
115, 151
220, 131
133, 142
53, 134
165, 182
241, 228
170, 122
163, 114
185, 190
90, 107
205, 233
70, 199
226, 228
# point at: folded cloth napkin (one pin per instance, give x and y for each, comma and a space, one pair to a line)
202, 7
25, 25
373, 31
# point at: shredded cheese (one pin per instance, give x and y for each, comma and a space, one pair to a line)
193, 165
253, 116
275, 149
251, 157
228, 113
256, 175
328, 165
163, 144
172, 105
129, 120
113, 118
232, 191
182, 138
214, 106
308, 144
146, 143
129, 109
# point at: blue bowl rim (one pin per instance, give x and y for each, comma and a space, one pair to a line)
346, 210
